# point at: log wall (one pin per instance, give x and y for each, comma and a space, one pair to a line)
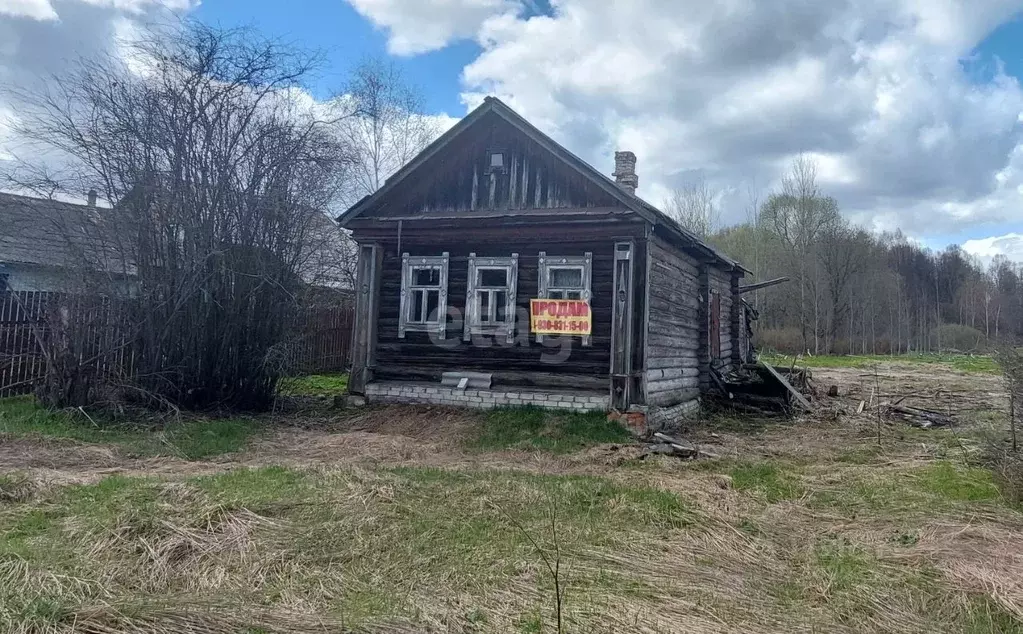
553, 363
673, 329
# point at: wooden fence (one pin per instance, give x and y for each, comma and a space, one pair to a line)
324, 344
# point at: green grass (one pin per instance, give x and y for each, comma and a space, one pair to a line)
773, 481
557, 432
957, 483
313, 385
845, 565
909, 493
191, 439
966, 363
364, 544
369, 547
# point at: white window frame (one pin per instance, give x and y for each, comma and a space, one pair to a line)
408, 265
547, 262
473, 325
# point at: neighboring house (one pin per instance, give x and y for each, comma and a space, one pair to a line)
37, 243
494, 214
40, 239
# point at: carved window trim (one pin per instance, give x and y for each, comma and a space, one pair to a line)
473, 322
547, 263
433, 322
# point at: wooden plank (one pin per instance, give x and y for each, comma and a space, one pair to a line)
805, 404
621, 325
759, 285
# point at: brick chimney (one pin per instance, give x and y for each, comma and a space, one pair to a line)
625, 171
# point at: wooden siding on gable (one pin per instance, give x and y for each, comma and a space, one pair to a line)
463, 179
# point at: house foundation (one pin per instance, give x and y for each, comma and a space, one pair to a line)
434, 394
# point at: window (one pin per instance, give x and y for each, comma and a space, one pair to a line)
565, 277
424, 294
490, 296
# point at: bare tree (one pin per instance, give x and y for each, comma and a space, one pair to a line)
217, 178
389, 127
798, 215
692, 205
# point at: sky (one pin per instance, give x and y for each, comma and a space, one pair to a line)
913, 109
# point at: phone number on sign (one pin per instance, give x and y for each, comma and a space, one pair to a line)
562, 325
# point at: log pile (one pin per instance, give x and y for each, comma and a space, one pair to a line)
917, 416
665, 445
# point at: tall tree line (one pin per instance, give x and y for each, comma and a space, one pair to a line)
854, 291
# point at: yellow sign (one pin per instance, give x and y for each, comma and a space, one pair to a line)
560, 317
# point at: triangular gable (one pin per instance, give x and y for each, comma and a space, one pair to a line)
454, 174
581, 181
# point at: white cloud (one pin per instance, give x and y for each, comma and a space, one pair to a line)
875, 90
1009, 245
44, 9
425, 25
32, 9
33, 50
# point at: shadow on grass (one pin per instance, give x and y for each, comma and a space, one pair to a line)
191, 439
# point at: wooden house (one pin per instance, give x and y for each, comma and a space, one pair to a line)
494, 214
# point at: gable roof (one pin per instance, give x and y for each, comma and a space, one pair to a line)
494, 105
40, 230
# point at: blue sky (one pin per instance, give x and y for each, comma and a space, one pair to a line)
344, 36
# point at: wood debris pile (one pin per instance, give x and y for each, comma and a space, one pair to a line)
764, 390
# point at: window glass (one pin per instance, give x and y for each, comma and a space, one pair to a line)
432, 304
490, 296
483, 301
423, 307
417, 307
501, 303
425, 276
493, 277
566, 277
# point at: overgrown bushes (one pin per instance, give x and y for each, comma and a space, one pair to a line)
961, 338
218, 180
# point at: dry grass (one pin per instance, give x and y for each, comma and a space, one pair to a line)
384, 525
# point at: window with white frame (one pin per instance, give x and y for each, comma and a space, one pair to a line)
424, 294
490, 296
565, 277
